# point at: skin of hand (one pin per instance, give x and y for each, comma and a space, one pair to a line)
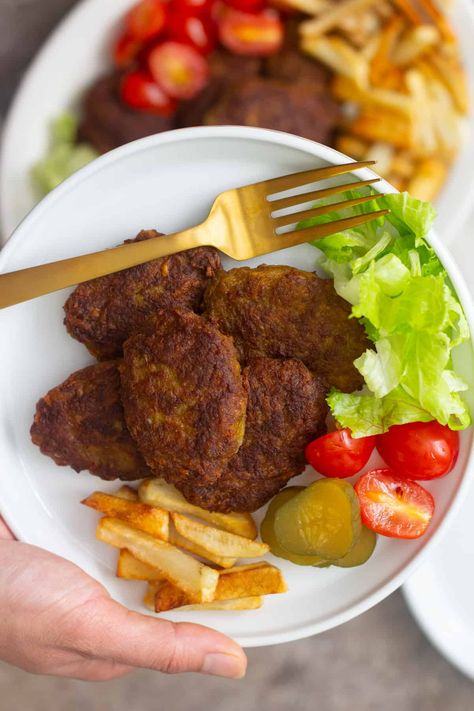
55, 619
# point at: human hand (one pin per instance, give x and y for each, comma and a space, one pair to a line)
55, 619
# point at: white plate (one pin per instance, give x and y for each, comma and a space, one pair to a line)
167, 182
440, 594
79, 51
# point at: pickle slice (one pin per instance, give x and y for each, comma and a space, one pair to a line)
361, 551
323, 520
267, 531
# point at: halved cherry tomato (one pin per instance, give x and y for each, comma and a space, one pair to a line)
198, 31
139, 91
394, 507
126, 50
419, 450
146, 19
179, 69
338, 454
246, 5
255, 35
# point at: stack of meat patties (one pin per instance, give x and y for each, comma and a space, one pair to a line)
213, 380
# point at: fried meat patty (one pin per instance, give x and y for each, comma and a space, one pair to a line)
284, 106
104, 312
286, 410
80, 423
282, 312
183, 396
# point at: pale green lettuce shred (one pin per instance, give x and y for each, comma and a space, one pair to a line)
401, 293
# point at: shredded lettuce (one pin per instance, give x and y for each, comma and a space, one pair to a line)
402, 295
64, 156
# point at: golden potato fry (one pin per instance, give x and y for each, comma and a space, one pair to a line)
150, 594
384, 127
394, 101
243, 603
381, 61
198, 580
339, 56
158, 493
351, 146
408, 7
360, 28
414, 43
127, 492
428, 179
383, 153
130, 568
242, 581
216, 541
439, 19
450, 72
176, 539
403, 164
144, 517
332, 18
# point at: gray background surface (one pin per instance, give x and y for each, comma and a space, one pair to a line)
379, 661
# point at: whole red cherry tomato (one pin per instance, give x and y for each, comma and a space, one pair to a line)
179, 69
140, 91
338, 454
255, 35
199, 31
146, 19
419, 450
394, 507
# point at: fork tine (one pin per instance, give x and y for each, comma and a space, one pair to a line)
314, 195
291, 239
294, 217
296, 180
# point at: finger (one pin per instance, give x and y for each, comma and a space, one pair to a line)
128, 638
5, 533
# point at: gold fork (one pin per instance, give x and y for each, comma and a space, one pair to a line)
241, 224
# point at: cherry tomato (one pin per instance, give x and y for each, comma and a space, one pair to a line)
255, 35
394, 507
419, 450
200, 32
146, 19
338, 454
179, 69
246, 5
194, 7
139, 91
126, 50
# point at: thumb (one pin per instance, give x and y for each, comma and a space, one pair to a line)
141, 641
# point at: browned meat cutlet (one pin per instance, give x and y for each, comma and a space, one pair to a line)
283, 312
104, 312
283, 106
80, 423
286, 410
107, 122
226, 69
183, 396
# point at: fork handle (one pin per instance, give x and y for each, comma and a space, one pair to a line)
25, 284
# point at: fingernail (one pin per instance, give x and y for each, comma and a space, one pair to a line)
228, 665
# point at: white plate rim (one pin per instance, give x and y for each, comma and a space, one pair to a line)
330, 155
451, 222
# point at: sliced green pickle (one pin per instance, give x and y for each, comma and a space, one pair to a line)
267, 532
361, 551
323, 520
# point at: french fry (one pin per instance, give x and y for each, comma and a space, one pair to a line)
384, 127
144, 517
381, 62
331, 19
346, 90
216, 541
403, 164
410, 10
130, 568
415, 42
127, 492
439, 19
383, 153
243, 603
428, 179
243, 581
450, 73
351, 146
360, 27
157, 492
176, 539
185, 572
339, 56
